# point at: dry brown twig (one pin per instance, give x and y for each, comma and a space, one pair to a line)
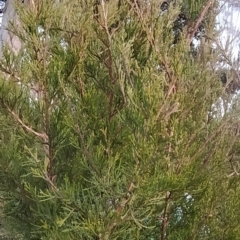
194, 27
29, 129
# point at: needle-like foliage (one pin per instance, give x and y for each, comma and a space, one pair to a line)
110, 127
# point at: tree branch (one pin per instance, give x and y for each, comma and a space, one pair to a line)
164, 217
193, 28
29, 129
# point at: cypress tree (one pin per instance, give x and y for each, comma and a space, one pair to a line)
110, 124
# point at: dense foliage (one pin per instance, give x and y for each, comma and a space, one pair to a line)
111, 129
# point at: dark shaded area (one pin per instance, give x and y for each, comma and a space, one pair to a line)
183, 20
230, 80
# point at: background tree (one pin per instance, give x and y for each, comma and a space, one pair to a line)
111, 128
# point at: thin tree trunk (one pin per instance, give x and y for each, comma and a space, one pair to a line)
6, 36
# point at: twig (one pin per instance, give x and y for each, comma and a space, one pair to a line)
29, 129
164, 217
86, 151
192, 29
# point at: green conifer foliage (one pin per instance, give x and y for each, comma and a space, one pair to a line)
109, 128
